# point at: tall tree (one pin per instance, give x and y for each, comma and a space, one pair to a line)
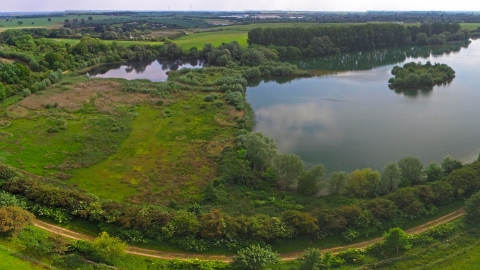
411, 169
450, 164
472, 208
288, 169
363, 183
391, 177
3, 92
433, 172
312, 181
260, 150
337, 183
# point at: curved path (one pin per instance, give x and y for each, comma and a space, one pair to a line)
227, 258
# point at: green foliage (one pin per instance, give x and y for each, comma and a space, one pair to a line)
396, 240
254, 257
108, 247
260, 150
414, 75
288, 168
311, 181
13, 219
433, 172
449, 164
236, 99
411, 169
337, 183
472, 208
311, 259
364, 183
390, 178
3, 93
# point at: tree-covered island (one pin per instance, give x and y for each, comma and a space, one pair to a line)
414, 75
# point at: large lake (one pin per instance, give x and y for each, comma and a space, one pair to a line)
351, 119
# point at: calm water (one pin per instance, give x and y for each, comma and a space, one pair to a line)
351, 119
156, 70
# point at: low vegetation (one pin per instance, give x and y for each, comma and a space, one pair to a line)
416, 75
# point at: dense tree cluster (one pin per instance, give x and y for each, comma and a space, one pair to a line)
414, 75
324, 40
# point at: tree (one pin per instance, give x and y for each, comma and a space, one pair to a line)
311, 259
391, 177
260, 150
363, 183
108, 247
33, 22
288, 169
311, 181
322, 46
19, 22
396, 239
472, 208
90, 18
449, 164
49, 20
3, 92
337, 183
411, 169
422, 39
13, 219
433, 172
254, 257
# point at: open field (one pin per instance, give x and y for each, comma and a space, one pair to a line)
56, 22
215, 38
470, 26
118, 145
119, 42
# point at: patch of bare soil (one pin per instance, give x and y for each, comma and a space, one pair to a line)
103, 93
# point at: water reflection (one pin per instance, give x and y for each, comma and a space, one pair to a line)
154, 70
376, 58
354, 120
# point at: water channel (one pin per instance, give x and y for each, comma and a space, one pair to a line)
349, 118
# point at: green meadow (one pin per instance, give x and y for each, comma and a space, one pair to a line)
116, 144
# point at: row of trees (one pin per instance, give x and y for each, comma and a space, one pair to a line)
314, 41
193, 229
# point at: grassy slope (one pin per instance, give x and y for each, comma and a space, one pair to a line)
163, 153
216, 38
11, 262
470, 26
119, 42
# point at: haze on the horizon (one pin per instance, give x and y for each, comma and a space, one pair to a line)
228, 5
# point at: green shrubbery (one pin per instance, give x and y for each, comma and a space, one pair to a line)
414, 75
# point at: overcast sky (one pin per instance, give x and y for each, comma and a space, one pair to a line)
313, 5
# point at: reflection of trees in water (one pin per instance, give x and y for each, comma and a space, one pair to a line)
376, 58
424, 91
140, 66
368, 60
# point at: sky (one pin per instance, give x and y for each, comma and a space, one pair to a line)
235, 5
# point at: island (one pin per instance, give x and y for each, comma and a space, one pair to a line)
416, 75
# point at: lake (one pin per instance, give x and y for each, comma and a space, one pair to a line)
350, 118
153, 70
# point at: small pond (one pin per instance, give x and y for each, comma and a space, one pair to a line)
155, 70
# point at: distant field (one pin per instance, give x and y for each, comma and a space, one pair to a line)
43, 22
120, 42
215, 38
470, 26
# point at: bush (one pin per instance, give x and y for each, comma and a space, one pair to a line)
254, 257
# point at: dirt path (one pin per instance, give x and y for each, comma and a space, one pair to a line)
227, 258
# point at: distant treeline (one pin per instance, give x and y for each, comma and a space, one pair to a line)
330, 39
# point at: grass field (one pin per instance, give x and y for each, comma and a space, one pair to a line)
119, 42
215, 38
11, 262
43, 22
117, 144
470, 26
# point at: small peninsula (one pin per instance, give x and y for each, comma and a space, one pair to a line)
414, 75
